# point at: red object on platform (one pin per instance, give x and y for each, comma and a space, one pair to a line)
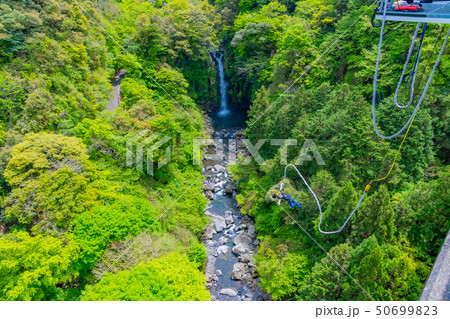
409, 8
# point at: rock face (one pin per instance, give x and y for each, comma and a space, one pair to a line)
219, 223
239, 271
232, 292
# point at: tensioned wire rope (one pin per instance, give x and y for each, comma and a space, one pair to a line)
407, 125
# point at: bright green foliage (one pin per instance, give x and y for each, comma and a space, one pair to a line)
375, 217
171, 277
423, 214
197, 253
281, 272
385, 272
341, 206
326, 280
41, 152
380, 272
50, 203
96, 228
307, 73
32, 268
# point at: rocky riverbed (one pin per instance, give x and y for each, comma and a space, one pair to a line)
230, 239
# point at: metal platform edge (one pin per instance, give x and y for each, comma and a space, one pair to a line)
437, 286
405, 18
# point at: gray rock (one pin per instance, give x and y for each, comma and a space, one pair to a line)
208, 277
208, 187
208, 285
219, 272
256, 242
223, 250
215, 278
242, 239
219, 168
232, 292
229, 219
229, 188
239, 271
219, 223
213, 298
209, 195
208, 232
223, 240
252, 231
240, 249
245, 258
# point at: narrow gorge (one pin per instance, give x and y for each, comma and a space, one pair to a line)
230, 238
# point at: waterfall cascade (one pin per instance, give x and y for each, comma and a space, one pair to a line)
219, 57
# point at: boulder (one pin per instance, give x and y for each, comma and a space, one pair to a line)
242, 238
229, 188
223, 250
209, 195
240, 249
219, 272
208, 232
232, 292
252, 231
229, 219
219, 168
239, 271
222, 240
245, 258
208, 187
219, 223
208, 277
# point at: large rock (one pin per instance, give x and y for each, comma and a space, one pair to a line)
232, 292
208, 232
223, 250
208, 277
219, 168
239, 271
252, 231
209, 195
219, 223
229, 219
208, 187
240, 249
229, 188
222, 240
245, 258
242, 239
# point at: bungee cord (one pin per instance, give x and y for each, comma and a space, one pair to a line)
375, 80
407, 126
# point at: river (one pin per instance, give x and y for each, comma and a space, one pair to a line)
231, 238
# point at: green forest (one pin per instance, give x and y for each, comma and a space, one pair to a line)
70, 207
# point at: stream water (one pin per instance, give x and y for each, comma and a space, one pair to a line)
231, 238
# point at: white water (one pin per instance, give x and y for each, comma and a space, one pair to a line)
218, 57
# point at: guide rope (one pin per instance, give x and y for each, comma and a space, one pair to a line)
376, 80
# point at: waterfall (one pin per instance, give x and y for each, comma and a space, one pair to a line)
218, 57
